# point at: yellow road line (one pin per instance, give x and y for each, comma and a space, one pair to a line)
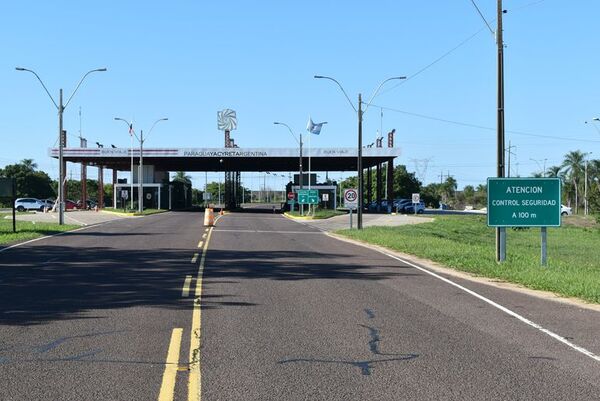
195, 258
167, 388
195, 379
200, 244
185, 291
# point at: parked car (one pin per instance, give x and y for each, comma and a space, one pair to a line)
410, 209
400, 204
70, 205
372, 207
48, 203
565, 210
23, 204
89, 204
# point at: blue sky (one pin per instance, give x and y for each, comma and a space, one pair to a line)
186, 60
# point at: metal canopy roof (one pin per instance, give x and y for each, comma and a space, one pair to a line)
229, 159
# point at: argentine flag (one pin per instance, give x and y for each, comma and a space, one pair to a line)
314, 128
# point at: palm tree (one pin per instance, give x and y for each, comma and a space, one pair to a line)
28, 164
553, 171
181, 176
574, 167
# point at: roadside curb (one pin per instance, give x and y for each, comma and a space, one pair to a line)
134, 214
289, 216
494, 282
118, 214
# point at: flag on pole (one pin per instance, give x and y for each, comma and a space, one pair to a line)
314, 128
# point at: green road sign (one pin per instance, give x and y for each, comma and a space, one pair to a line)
523, 202
308, 196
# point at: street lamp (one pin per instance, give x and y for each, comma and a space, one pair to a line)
300, 179
359, 113
594, 125
141, 172
61, 108
131, 134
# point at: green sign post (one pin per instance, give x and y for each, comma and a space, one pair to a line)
308, 196
524, 202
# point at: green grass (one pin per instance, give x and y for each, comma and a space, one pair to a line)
27, 230
318, 214
465, 243
146, 212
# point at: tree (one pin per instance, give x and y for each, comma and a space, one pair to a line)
181, 176
574, 168
553, 171
30, 183
405, 183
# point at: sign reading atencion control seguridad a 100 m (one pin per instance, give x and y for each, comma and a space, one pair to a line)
523, 202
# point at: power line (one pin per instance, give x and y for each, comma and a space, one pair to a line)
463, 124
482, 17
528, 5
402, 82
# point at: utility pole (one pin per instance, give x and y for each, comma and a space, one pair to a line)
508, 150
500, 231
61, 168
359, 216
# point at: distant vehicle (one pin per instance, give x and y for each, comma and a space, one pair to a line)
373, 206
410, 209
89, 204
48, 203
69, 205
400, 204
565, 210
23, 204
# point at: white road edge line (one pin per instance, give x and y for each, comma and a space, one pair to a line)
71, 231
50, 236
488, 301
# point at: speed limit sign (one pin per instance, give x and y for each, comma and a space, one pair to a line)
351, 198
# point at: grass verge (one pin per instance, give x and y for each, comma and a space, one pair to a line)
466, 243
27, 230
318, 214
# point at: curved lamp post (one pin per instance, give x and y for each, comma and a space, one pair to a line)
359, 113
61, 108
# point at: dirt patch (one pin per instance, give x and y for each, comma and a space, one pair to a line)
580, 221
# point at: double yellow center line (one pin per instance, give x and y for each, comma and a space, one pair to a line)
167, 388
194, 379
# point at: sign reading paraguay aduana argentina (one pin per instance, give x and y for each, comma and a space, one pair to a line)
523, 202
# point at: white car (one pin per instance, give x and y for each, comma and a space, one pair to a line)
23, 204
565, 210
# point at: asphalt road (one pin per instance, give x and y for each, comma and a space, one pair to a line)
287, 313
